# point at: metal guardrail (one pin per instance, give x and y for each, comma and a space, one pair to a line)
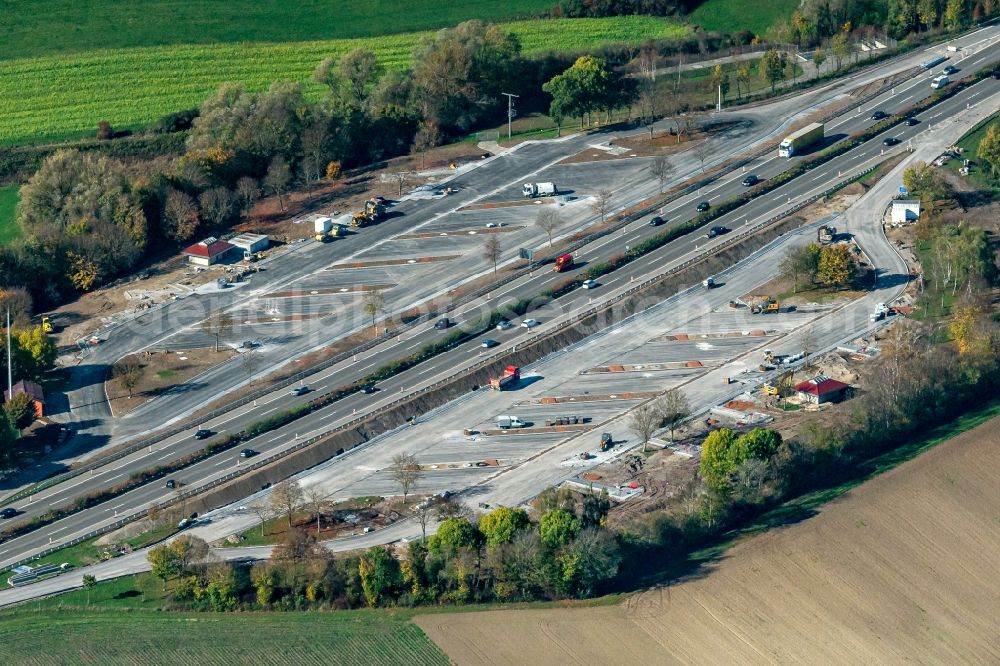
365, 346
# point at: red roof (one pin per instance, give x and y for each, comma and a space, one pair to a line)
820, 386
208, 248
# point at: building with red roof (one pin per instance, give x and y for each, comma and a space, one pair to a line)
821, 389
209, 251
33, 390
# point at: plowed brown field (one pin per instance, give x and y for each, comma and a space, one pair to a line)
904, 568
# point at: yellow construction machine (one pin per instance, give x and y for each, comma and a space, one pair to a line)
763, 305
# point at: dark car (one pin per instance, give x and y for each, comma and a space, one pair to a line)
247, 453
442, 323
949, 70
890, 141
301, 390
910, 122
368, 388
717, 231
996, 73
203, 433
489, 342
8, 513
171, 484
879, 115
703, 206
751, 180
656, 221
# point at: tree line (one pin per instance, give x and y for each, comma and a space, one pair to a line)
501, 556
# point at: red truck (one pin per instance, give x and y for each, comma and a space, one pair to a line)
510, 377
564, 263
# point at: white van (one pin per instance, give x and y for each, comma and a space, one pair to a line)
505, 422
940, 81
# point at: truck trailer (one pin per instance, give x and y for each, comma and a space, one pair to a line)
511, 375
798, 141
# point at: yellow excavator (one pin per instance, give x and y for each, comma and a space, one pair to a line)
780, 386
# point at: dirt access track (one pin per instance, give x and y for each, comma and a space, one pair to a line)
901, 569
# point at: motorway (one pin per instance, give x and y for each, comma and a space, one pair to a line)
540, 459
308, 320
444, 365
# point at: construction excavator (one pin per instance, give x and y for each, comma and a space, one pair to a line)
781, 386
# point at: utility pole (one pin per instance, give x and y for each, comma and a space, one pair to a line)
510, 109
10, 371
719, 105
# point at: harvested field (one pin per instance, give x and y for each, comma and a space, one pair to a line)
899, 569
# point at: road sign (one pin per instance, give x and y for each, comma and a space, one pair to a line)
903, 190
525, 253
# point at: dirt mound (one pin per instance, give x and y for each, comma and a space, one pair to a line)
901, 569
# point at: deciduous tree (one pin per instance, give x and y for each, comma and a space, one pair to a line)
247, 193
373, 304
286, 499
558, 527
217, 205
548, 220
501, 525
163, 563
643, 422
492, 250
836, 266
278, 177
180, 215
662, 170
89, 583
405, 471
380, 575
673, 408
20, 410
128, 373
989, 149
601, 203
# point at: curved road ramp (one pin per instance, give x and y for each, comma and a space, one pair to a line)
901, 569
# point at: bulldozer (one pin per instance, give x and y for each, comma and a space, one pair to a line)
359, 220
764, 305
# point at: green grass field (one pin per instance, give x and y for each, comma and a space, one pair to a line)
144, 637
980, 172
735, 15
71, 26
56, 97
8, 225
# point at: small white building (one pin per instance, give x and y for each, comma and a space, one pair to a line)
905, 211
250, 242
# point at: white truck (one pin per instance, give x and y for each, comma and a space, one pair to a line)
538, 189
940, 81
798, 141
506, 422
